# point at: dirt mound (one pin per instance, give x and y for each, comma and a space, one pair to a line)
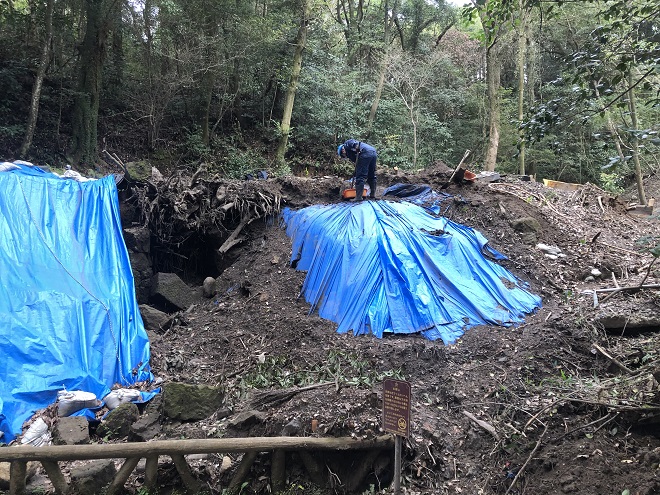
569, 407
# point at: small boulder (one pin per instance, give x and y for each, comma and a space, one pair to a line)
153, 319
209, 287
117, 424
71, 430
191, 402
171, 290
526, 224
91, 477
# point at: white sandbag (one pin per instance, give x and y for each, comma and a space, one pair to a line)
121, 396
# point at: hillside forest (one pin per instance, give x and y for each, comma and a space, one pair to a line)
560, 90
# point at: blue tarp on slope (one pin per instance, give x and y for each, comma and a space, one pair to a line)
382, 266
68, 313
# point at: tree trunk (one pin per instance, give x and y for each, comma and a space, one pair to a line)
84, 149
38, 82
383, 68
285, 125
634, 142
493, 69
522, 56
152, 128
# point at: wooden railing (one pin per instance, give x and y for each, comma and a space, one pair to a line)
177, 449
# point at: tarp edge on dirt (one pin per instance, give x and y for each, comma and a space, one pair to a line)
376, 267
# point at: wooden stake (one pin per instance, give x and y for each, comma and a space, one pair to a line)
397, 465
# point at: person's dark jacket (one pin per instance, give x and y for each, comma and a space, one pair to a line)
353, 146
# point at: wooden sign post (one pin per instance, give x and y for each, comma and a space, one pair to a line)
396, 419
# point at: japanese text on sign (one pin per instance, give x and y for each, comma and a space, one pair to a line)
396, 407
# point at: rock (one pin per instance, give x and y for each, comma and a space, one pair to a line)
526, 224
171, 290
191, 402
596, 272
156, 175
153, 318
291, 429
117, 424
91, 477
528, 238
245, 419
226, 464
72, 430
148, 425
140, 170
642, 318
589, 279
142, 273
209, 288
137, 239
146, 428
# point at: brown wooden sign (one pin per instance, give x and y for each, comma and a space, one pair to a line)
396, 407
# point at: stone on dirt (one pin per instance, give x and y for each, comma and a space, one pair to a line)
209, 288
118, 422
190, 402
88, 478
171, 289
71, 430
245, 419
154, 319
148, 425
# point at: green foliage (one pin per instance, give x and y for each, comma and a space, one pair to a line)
339, 366
612, 183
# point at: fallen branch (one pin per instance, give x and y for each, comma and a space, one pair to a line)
606, 418
618, 363
626, 289
486, 426
231, 240
276, 397
529, 458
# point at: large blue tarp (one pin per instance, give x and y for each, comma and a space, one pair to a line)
68, 313
384, 266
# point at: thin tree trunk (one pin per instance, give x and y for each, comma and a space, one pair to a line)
634, 142
285, 125
152, 130
522, 56
493, 81
377, 95
383, 67
38, 82
86, 112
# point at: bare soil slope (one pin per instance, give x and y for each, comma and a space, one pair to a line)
565, 406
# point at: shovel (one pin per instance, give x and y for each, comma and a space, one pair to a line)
459, 170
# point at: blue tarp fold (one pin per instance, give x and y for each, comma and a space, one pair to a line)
68, 313
383, 266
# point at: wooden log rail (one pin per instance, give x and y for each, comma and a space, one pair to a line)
176, 449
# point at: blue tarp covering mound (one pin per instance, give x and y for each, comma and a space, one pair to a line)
68, 313
383, 266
